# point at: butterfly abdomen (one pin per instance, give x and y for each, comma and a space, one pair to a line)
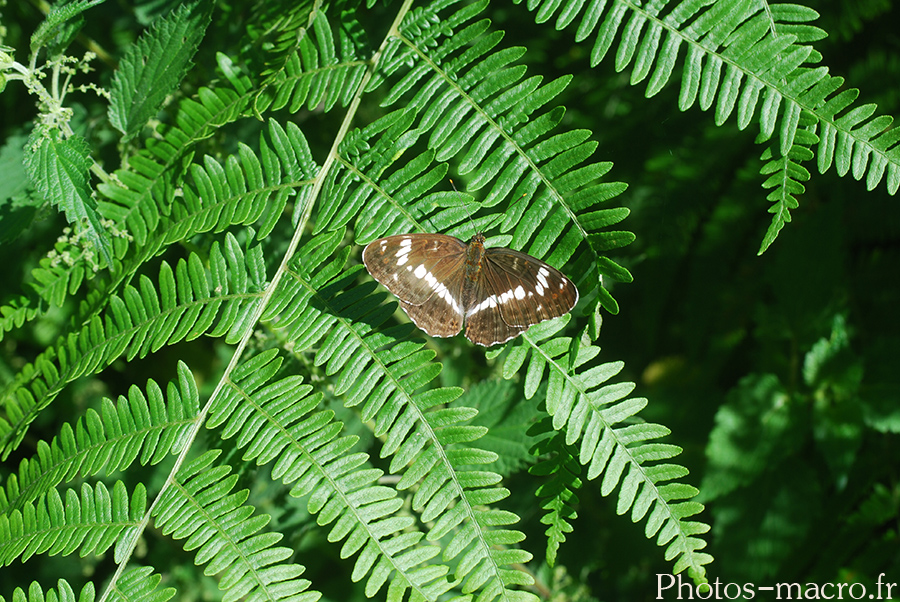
474, 256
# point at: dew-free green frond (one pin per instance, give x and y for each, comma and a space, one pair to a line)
184, 303
141, 194
140, 584
279, 29
318, 73
249, 188
203, 509
62, 593
279, 420
90, 523
787, 177
154, 65
557, 494
320, 306
747, 56
474, 105
144, 428
590, 413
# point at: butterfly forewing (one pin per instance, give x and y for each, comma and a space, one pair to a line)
409, 265
424, 271
528, 291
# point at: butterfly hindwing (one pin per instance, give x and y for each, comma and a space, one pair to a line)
528, 291
484, 324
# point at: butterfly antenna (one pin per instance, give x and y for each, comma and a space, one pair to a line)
469, 215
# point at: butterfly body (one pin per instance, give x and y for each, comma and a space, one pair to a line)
444, 283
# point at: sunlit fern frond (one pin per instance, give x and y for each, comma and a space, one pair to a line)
193, 299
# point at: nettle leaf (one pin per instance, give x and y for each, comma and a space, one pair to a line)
59, 170
61, 25
154, 66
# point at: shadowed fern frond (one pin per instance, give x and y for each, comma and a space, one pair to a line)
744, 56
590, 413
144, 428
193, 299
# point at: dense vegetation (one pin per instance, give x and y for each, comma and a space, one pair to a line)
206, 396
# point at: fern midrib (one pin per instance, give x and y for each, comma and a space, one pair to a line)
767, 84
53, 388
266, 297
372, 184
363, 342
614, 435
534, 167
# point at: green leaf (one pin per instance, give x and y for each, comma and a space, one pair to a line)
59, 171
154, 66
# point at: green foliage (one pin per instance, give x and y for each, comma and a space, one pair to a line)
297, 437
59, 171
153, 68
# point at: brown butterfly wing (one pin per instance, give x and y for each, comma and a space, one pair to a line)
484, 324
527, 291
425, 272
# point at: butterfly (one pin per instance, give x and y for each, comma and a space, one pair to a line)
444, 284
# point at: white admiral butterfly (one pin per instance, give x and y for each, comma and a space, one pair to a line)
443, 282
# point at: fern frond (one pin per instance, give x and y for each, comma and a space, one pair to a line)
736, 52
245, 190
202, 509
465, 92
590, 412
139, 198
320, 306
314, 74
281, 423
144, 428
787, 178
279, 29
190, 301
140, 584
557, 494
140, 195
91, 523
62, 593
153, 66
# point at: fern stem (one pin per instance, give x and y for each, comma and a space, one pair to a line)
266, 298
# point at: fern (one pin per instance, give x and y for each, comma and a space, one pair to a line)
200, 508
558, 494
135, 585
588, 413
323, 389
763, 51
191, 301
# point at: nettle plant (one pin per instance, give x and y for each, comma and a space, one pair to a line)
225, 221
